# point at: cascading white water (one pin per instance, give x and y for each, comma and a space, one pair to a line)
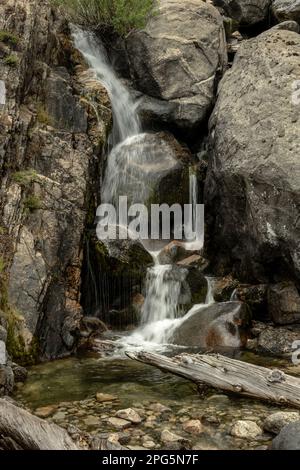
197, 242
126, 120
134, 154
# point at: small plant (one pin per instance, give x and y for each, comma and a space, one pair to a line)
12, 60
43, 116
32, 203
2, 264
25, 177
109, 16
8, 38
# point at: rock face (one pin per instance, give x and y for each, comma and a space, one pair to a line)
252, 191
217, 325
244, 12
284, 303
178, 59
49, 138
288, 438
286, 10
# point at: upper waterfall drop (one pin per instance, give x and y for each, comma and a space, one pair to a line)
126, 119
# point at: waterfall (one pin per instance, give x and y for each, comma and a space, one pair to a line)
197, 243
210, 290
125, 117
131, 163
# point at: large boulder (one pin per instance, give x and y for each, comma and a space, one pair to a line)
286, 10
177, 60
284, 303
217, 325
245, 13
288, 438
252, 191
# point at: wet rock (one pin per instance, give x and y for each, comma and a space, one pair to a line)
130, 415
178, 35
59, 416
173, 442
277, 341
193, 426
245, 13
6, 380
45, 411
159, 408
254, 204
276, 421
245, 430
216, 325
20, 373
119, 423
286, 10
284, 303
91, 421
104, 397
223, 288
288, 438
257, 299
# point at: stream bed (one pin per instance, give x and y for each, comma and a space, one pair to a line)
65, 392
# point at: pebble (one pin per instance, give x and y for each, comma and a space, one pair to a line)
104, 397
245, 430
45, 411
129, 414
119, 423
193, 426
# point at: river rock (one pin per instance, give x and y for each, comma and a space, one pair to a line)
286, 10
193, 426
20, 373
178, 58
288, 438
245, 12
169, 437
130, 415
45, 411
284, 303
119, 423
245, 430
217, 325
276, 421
159, 408
277, 341
104, 397
252, 194
256, 296
6, 380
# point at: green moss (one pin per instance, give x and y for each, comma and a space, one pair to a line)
43, 116
25, 177
16, 347
8, 38
32, 203
2, 265
12, 60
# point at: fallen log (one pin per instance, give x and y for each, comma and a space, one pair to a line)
28, 432
229, 375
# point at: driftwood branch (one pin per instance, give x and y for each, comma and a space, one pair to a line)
20, 429
230, 375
